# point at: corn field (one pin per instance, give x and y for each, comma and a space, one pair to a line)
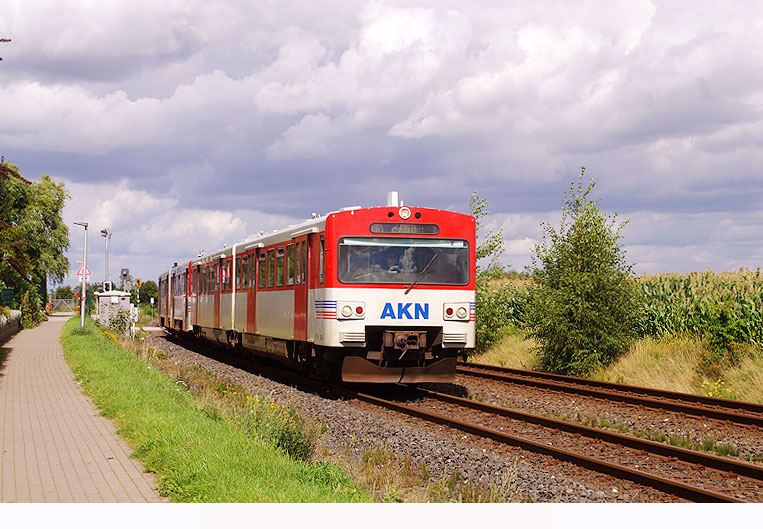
725, 308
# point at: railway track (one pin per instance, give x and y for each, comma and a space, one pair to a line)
738, 412
687, 474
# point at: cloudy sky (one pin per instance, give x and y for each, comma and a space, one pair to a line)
188, 124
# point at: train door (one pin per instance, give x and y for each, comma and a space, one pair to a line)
217, 285
188, 317
300, 289
195, 286
251, 293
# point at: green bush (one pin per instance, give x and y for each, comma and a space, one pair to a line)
31, 308
584, 303
498, 308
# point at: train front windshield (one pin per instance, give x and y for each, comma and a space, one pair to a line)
403, 260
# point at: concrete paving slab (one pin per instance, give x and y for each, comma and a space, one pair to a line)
54, 445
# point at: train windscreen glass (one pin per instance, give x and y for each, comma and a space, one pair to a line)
403, 260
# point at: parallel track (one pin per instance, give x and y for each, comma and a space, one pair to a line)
751, 474
721, 409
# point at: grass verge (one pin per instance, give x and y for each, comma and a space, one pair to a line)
195, 450
665, 363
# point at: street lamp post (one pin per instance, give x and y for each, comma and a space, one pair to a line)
107, 233
84, 278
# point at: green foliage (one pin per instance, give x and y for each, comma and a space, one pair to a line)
584, 302
490, 245
148, 290
31, 308
33, 236
499, 307
726, 309
196, 456
120, 323
65, 292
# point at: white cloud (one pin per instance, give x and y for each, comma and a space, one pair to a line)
188, 110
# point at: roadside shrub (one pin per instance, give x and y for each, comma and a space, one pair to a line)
584, 303
498, 308
284, 425
120, 323
31, 308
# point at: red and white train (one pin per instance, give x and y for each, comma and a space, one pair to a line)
380, 294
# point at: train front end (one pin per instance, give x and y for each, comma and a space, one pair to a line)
399, 297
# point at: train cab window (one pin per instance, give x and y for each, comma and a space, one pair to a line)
279, 266
322, 263
237, 281
245, 272
271, 267
290, 264
403, 260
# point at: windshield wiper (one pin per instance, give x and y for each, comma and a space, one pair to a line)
421, 273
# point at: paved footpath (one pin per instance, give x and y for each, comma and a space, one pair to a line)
54, 446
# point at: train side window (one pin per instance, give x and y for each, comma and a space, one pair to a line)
271, 267
262, 270
245, 272
298, 264
322, 263
290, 264
279, 266
303, 258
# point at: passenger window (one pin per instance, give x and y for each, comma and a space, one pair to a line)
322, 263
290, 264
245, 272
262, 270
298, 264
279, 267
271, 268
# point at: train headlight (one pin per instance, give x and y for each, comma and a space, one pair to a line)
404, 213
351, 310
456, 311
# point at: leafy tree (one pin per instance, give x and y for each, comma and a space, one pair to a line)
584, 304
33, 236
148, 290
489, 245
492, 309
65, 292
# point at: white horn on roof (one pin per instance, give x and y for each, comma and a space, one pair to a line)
392, 198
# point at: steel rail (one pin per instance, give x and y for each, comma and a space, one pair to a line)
618, 392
677, 488
691, 456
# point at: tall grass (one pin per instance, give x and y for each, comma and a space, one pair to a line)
727, 307
196, 452
700, 332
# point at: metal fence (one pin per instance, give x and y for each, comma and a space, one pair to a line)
65, 304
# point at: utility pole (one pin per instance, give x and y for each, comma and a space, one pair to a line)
107, 233
84, 278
